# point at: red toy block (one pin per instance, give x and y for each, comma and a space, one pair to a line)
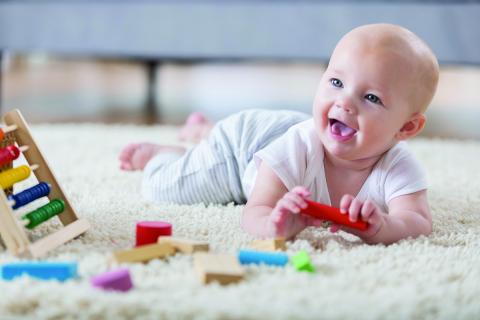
324, 212
148, 231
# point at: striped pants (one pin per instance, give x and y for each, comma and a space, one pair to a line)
211, 171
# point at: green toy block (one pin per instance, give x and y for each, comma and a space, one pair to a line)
301, 262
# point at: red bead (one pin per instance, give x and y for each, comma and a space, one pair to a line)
148, 231
8, 154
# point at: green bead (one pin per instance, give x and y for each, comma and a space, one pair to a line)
44, 213
301, 262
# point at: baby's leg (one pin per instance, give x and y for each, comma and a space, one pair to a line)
196, 128
135, 156
201, 175
212, 171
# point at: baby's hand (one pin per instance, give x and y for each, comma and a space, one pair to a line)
367, 211
285, 219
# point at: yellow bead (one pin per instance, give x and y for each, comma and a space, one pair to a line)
10, 177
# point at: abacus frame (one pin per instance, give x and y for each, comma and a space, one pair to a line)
13, 234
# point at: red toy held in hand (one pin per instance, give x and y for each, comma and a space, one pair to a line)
324, 212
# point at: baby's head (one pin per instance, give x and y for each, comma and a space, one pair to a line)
378, 83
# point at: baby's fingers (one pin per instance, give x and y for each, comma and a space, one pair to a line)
345, 203
296, 199
286, 204
301, 191
368, 209
354, 210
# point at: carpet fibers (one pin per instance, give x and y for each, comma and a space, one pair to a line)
434, 277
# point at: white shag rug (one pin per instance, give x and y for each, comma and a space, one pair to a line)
434, 277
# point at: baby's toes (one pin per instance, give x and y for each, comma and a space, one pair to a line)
140, 158
127, 152
126, 166
196, 118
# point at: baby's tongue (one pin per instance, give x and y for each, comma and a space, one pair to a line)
340, 128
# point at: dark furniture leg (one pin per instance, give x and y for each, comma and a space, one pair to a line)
151, 113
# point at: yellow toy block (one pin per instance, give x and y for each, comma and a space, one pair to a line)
185, 245
269, 244
224, 269
144, 253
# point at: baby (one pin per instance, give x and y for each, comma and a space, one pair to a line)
351, 154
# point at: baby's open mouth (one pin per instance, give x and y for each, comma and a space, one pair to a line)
338, 128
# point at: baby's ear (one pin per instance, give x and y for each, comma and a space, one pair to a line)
412, 127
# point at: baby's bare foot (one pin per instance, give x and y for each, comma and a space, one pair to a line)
196, 128
136, 155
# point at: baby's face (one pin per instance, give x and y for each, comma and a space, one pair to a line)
363, 100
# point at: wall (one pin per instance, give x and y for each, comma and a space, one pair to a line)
56, 89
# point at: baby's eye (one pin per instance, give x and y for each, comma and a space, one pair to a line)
336, 83
373, 98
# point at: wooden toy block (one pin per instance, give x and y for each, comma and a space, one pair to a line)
185, 245
144, 253
117, 280
12, 230
269, 244
259, 257
301, 262
41, 270
324, 212
222, 268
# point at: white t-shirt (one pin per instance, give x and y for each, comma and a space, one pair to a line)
297, 159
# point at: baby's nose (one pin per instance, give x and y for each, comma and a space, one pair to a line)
347, 105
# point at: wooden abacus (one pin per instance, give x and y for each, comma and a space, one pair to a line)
12, 228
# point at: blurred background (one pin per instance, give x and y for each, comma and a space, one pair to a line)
154, 62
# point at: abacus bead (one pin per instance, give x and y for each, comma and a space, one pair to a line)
8, 154
10, 177
44, 213
14, 151
28, 195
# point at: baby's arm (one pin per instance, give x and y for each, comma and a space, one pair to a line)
272, 210
409, 216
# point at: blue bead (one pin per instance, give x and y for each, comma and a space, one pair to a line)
28, 195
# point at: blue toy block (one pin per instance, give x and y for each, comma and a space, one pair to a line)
60, 271
258, 257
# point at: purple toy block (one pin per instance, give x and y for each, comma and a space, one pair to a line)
119, 280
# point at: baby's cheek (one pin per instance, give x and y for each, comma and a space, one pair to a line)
320, 116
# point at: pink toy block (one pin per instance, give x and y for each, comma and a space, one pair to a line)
118, 280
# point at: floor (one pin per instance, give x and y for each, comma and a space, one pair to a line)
66, 89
